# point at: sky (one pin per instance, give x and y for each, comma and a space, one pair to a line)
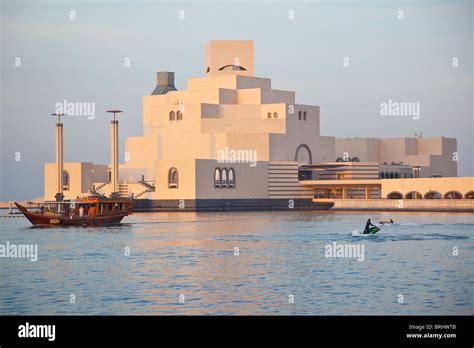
348, 57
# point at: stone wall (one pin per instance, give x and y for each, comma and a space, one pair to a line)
451, 205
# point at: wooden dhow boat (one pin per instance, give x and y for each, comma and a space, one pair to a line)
90, 211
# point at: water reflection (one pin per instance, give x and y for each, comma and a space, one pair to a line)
280, 254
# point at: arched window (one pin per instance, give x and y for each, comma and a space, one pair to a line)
413, 195
339, 159
231, 177
394, 195
303, 155
469, 195
453, 195
382, 175
433, 195
173, 178
299, 115
269, 115
172, 116
65, 180
224, 177
304, 116
179, 115
275, 115
355, 159
232, 67
397, 175
217, 178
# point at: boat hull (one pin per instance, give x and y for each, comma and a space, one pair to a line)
50, 220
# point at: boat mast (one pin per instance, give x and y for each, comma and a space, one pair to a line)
114, 154
59, 157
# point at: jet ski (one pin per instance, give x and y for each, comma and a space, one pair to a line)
390, 222
374, 230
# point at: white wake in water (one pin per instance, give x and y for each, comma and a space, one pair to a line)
357, 233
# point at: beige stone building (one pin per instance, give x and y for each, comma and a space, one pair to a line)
226, 137
230, 141
435, 157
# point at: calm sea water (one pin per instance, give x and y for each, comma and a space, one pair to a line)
280, 254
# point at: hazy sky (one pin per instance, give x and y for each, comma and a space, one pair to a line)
82, 60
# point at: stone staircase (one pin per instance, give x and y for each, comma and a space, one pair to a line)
141, 194
148, 188
98, 187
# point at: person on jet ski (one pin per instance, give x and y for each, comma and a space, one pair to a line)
367, 226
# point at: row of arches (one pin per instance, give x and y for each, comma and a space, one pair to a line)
224, 178
176, 116
275, 115
431, 195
